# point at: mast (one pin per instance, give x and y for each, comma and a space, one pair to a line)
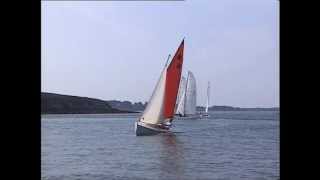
168, 60
208, 97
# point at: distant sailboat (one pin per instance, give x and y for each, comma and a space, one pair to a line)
190, 104
159, 113
206, 114
186, 105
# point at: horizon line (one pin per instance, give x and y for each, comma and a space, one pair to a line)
147, 101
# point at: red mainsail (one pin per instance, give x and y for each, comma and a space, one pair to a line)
172, 82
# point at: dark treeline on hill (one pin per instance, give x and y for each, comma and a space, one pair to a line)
65, 104
127, 105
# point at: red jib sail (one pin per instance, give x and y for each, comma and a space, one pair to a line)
172, 82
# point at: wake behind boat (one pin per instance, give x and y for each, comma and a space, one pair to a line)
159, 113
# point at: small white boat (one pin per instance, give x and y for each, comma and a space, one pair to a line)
159, 113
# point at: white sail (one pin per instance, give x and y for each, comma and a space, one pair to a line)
181, 90
190, 95
208, 96
181, 97
153, 112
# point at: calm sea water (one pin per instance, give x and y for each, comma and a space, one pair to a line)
228, 145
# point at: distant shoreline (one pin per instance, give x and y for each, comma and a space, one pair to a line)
56, 104
230, 108
235, 110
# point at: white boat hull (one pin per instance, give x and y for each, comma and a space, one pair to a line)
142, 129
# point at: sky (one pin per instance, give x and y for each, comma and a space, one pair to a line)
116, 50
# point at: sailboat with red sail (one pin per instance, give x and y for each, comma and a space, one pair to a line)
159, 113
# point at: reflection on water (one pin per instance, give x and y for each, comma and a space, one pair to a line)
171, 157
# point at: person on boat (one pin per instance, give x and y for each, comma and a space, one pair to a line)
166, 125
169, 124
